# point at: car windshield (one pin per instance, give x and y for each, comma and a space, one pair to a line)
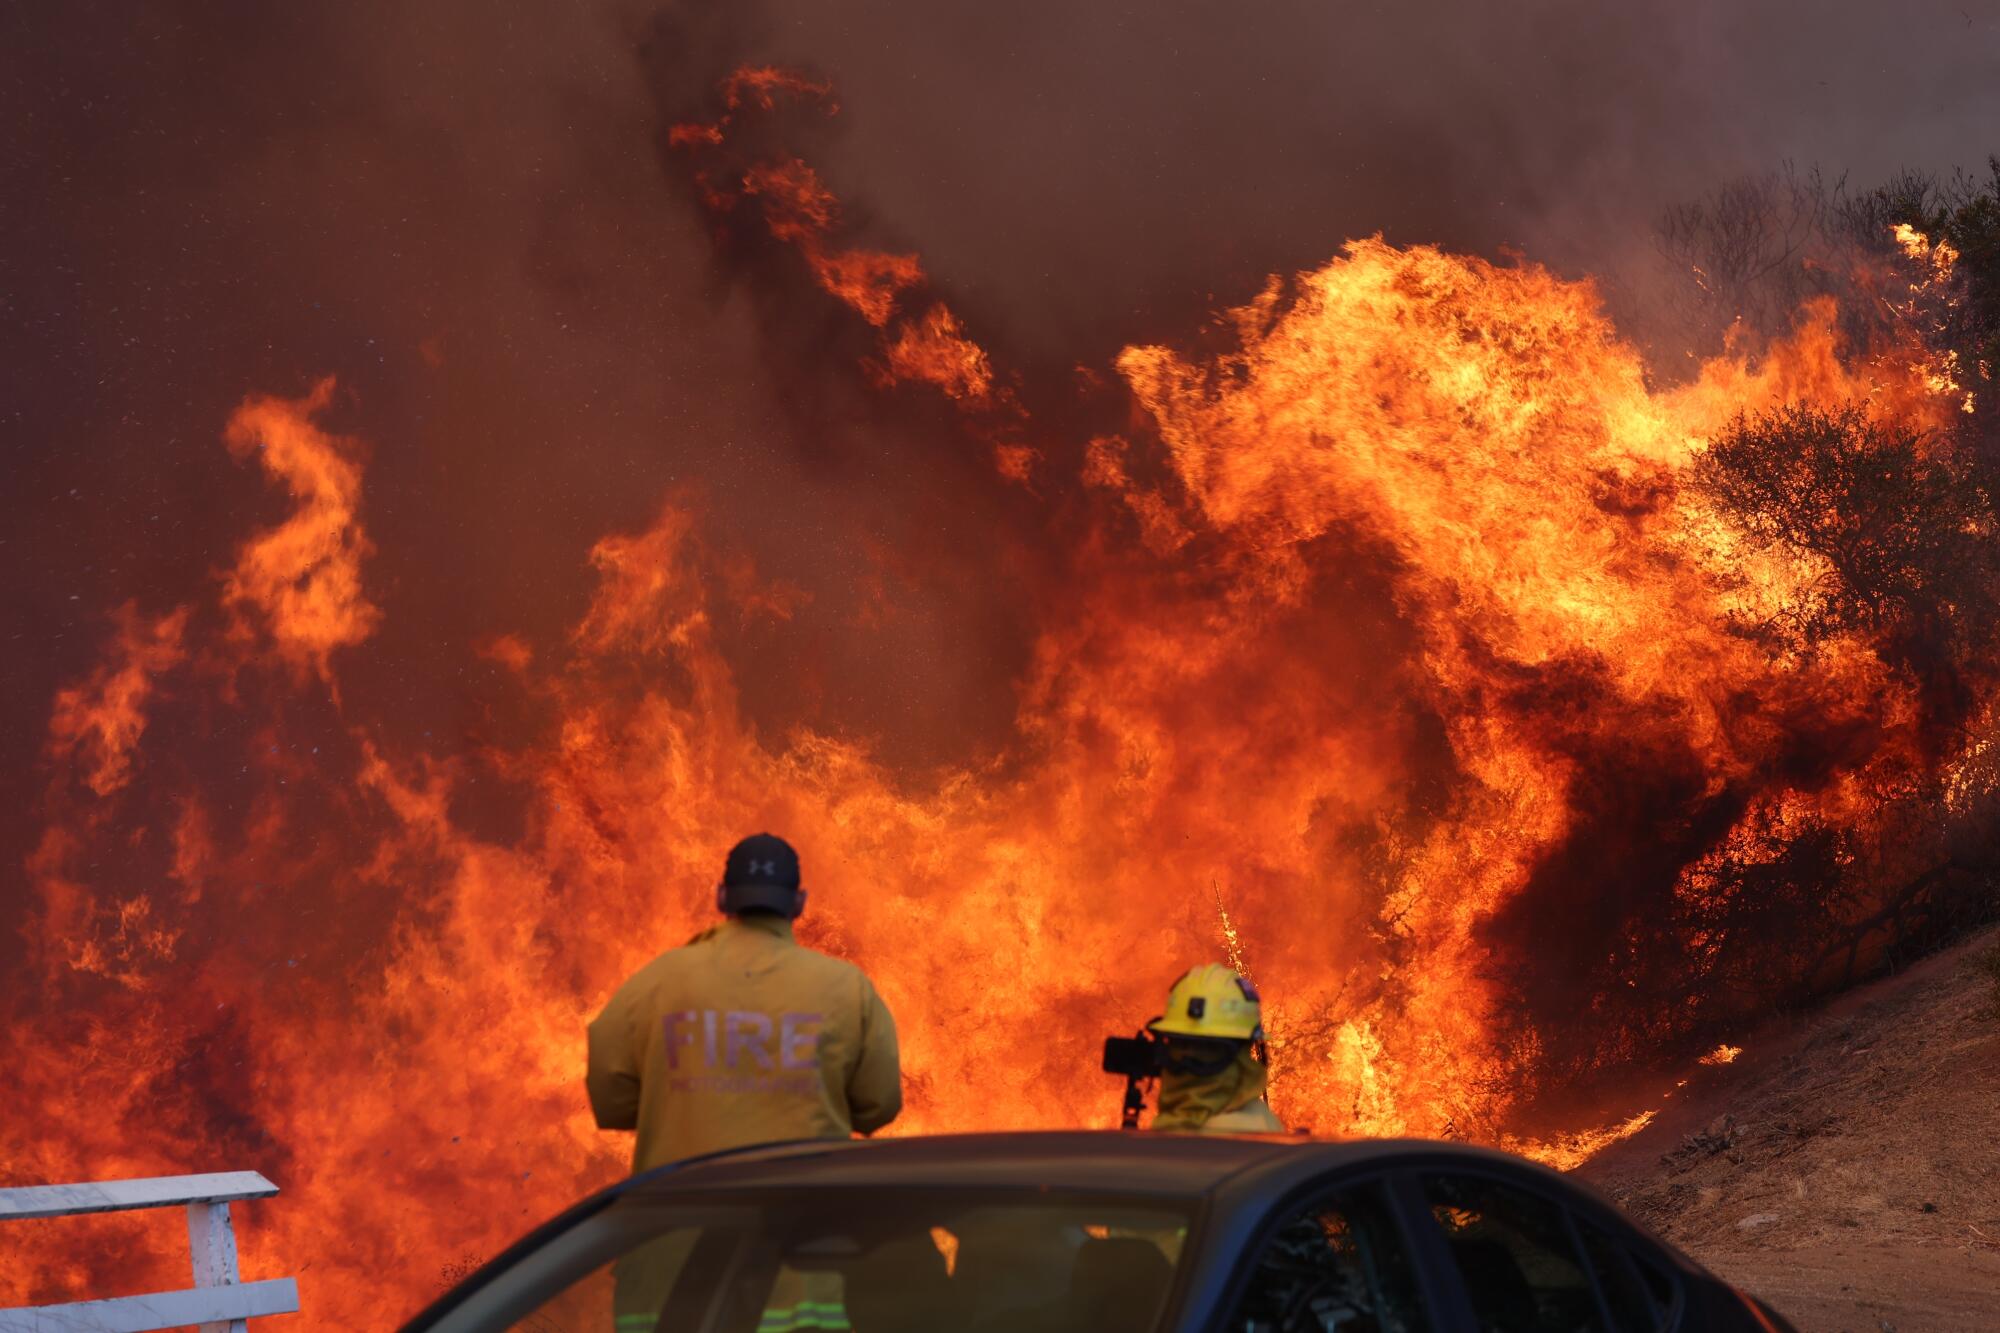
872, 1262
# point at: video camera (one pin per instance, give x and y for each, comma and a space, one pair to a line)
1136, 1059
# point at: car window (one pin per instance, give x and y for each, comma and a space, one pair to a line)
1339, 1264
1514, 1254
880, 1262
1634, 1306
999, 1268
625, 1296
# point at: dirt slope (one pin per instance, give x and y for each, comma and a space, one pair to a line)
1846, 1167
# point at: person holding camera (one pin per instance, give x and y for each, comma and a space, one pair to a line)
1212, 1058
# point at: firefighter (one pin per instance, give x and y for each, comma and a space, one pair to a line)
1213, 1076
740, 1036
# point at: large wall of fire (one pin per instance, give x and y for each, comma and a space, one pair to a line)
1385, 641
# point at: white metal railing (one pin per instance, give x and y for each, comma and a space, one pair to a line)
220, 1301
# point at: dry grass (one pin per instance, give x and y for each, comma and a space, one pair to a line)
1847, 1166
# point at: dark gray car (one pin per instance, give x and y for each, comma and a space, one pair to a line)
1096, 1233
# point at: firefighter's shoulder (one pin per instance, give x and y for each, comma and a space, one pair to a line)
663, 967
808, 959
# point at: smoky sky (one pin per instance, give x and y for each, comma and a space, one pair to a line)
462, 211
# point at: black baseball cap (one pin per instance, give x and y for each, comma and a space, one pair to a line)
761, 875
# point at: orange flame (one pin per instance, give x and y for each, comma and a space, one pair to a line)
98, 724
302, 579
799, 210
934, 350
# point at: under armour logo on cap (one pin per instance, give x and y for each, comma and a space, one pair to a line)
762, 859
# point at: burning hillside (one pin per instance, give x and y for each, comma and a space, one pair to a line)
1405, 640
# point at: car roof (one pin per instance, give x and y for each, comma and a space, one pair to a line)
1088, 1161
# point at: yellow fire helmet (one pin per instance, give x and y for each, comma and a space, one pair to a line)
1212, 1001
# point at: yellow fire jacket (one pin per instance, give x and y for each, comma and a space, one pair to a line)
741, 1036
1230, 1102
